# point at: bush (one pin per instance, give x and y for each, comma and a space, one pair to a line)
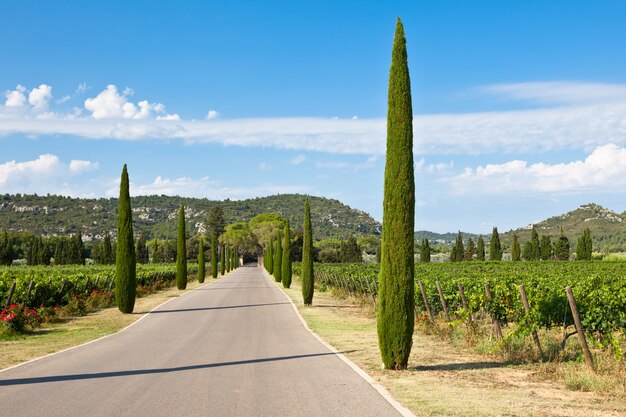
18, 318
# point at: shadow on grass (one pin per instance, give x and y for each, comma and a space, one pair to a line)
466, 366
114, 374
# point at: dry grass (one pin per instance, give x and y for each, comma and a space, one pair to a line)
450, 379
53, 337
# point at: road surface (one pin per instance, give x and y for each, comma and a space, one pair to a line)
232, 348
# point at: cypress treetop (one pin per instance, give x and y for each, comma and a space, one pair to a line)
495, 248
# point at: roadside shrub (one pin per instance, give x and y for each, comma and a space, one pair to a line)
17, 318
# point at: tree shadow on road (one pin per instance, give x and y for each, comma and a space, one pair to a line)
115, 374
184, 310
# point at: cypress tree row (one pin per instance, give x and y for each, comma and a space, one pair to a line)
458, 250
395, 313
515, 249
286, 262
495, 248
307, 257
125, 265
201, 266
181, 252
223, 260
480, 248
278, 260
213, 256
584, 247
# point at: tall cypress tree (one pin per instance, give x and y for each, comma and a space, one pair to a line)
480, 248
470, 250
545, 248
228, 258
424, 251
155, 251
495, 248
142, 250
458, 250
308, 280
125, 265
584, 246
286, 262
515, 249
213, 256
535, 245
201, 266
181, 252
223, 260
270, 257
395, 315
278, 260
561, 248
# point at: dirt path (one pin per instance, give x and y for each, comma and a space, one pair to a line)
444, 379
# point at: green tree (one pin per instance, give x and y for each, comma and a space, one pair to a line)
213, 256
470, 250
155, 251
181, 252
351, 251
584, 246
142, 250
527, 252
107, 250
270, 256
535, 245
278, 260
458, 250
6, 249
215, 222
545, 248
495, 248
125, 266
228, 258
561, 248
286, 262
515, 249
425, 250
77, 250
480, 248
223, 260
201, 266
307, 257
395, 313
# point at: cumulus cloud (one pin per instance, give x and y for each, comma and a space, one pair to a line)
38, 97
46, 174
16, 98
212, 115
109, 103
604, 168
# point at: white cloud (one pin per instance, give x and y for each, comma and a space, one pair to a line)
46, 174
77, 166
110, 104
82, 87
342, 165
38, 97
298, 159
15, 98
63, 99
593, 118
264, 167
603, 169
212, 115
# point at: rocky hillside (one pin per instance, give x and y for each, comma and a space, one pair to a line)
608, 229
156, 216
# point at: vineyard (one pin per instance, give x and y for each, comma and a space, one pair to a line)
494, 288
53, 286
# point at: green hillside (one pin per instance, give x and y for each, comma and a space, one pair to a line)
156, 216
608, 229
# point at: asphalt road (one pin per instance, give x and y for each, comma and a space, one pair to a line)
231, 348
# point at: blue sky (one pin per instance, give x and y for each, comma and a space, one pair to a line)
520, 107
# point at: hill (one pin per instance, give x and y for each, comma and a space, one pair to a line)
156, 216
608, 229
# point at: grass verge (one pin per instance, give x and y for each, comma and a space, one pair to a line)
73, 331
448, 380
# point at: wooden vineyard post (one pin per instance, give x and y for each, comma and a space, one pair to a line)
31, 285
443, 302
464, 301
87, 285
579, 327
522, 292
10, 297
496, 322
372, 291
363, 292
423, 291
63, 286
